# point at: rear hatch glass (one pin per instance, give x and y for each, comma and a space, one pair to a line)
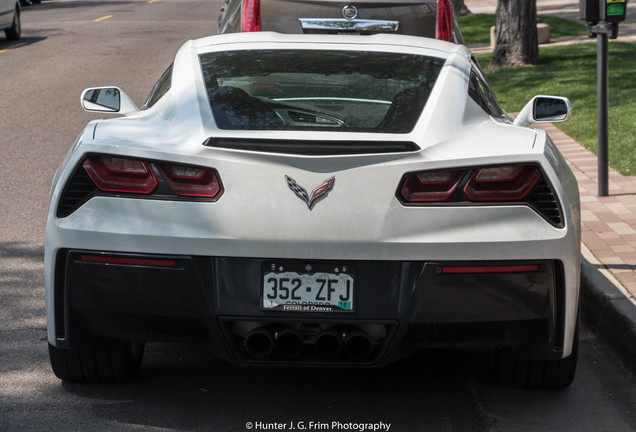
326, 90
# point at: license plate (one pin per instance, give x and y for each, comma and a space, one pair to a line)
307, 288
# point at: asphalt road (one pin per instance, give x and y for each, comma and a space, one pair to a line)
64, 50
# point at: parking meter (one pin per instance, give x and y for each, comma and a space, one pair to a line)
612, 10
602, 17
590, 10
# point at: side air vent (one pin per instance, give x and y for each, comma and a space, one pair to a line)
313, 148
542, 198
78, 190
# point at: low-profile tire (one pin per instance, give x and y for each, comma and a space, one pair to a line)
118, 361
14, 32
511, 371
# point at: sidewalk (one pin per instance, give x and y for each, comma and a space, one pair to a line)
608, 224
608, 229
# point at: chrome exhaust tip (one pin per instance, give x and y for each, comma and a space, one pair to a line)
328, 344
259, 342
289, 343
358, 345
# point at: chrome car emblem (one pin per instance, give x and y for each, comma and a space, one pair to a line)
349, 12
317, 194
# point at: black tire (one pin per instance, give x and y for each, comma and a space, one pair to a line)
511, 371
119, 361
14, 32
36, 1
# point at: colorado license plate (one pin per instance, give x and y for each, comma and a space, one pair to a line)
307, 288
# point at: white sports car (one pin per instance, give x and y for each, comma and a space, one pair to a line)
316, 200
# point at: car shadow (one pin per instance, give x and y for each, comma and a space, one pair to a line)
186, 388
21, 250
6, 44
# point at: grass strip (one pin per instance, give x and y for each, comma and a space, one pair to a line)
476, 28
570, 71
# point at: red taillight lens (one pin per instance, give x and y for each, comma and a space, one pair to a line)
489, 184
444, 26
190, 181
146, 262
493, 269
506, 183
115, 174
431, 187
251, 16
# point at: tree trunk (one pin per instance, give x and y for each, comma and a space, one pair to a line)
461, 8
515, 33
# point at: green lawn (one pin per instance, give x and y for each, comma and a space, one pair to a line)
571, 71
476, 28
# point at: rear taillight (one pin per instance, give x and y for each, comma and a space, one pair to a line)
115, 174
190, 181
444, 24
489, 184
104, 175
431, 186
251, 16
508, 183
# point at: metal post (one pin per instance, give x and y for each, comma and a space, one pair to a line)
602, 69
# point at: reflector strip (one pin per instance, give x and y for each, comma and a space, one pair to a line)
129, 261
493, 269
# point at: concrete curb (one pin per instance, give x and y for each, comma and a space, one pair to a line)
607, 307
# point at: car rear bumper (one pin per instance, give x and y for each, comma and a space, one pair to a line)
400, 306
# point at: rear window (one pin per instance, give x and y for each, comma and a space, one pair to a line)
353, 91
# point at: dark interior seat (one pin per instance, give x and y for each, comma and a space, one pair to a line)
405, 109
234, 109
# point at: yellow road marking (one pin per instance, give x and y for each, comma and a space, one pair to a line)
102, 18
12, 47
153, 1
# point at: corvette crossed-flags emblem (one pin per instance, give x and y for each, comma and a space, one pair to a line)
318, 193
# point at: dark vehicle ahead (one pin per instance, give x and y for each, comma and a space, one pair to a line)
427, 18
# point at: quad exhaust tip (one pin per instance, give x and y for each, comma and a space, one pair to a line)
289, 343
358, 345
328, 344
260, 341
